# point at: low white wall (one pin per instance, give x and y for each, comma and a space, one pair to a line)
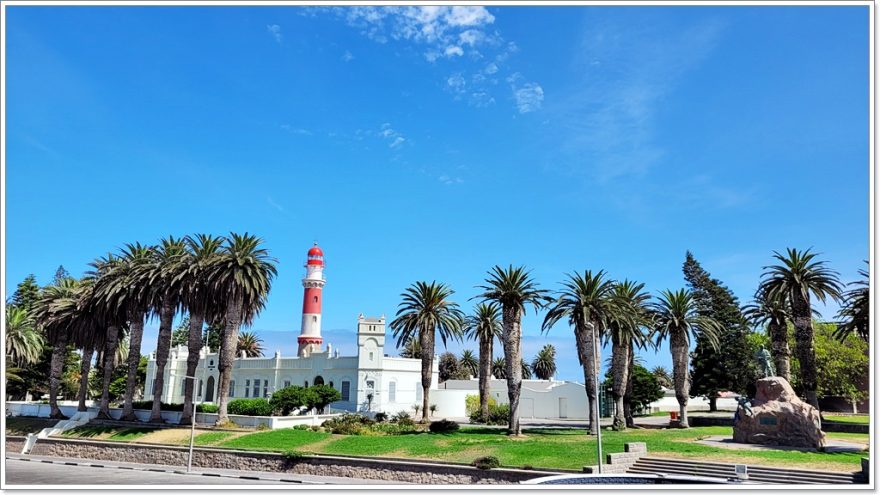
173, 417
667, 404
450, 403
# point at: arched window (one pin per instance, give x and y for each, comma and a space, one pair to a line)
232, 388
319, 380
316, 298
331, 384
346, 390
314, 319
306, 384
392, 392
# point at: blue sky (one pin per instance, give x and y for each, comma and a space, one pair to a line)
416, 143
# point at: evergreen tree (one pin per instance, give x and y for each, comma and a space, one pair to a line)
180, 335
60, 274
731, 366
26, 294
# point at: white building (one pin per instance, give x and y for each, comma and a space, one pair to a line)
369, 381
539, 399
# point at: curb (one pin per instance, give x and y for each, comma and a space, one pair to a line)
160, 470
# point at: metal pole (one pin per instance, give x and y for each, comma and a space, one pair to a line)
598, 395
192, 430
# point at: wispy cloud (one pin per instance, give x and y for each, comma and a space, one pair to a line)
275, 31
394, 138
275, 204
296, 130
449, 180
347, 56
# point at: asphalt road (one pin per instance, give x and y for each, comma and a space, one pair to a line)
34, 472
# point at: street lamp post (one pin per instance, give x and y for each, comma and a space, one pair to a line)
195, 406
598, 395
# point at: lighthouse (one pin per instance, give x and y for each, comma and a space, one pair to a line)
313, 284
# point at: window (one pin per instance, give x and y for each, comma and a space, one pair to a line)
256, 388
346, 388
392, 392
200, 389
286, 383
314, 319
183, 387
211, 363
316, 298
418, 391
331, 384
265, 388
149, 382
232, 388
247, 388
371, 384
306, 384
371, 356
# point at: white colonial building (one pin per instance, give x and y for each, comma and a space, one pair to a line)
371, 381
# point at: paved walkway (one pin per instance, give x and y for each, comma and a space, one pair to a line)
31, 469
831, 446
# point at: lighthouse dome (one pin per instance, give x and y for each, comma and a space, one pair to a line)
315, 251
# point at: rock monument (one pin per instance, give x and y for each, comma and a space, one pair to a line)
776, 416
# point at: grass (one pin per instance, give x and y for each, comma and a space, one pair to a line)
540, 448
108, 433
862, 420
211, 438
22, 426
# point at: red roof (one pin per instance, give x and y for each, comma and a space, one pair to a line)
316, 251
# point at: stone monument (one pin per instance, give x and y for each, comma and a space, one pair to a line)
776, 416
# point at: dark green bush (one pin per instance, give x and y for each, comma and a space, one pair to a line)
443, 426
293, 455
285, 400
498, 415
349, 424
488, 462
207, 408
380, 417
250, 407
403, 419
301, 427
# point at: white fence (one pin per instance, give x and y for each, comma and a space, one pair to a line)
15, 408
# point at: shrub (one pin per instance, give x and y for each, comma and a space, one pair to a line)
381, 417
262, 427
285, 400
250, 407
349, 424
498, 414
403, 419
487, 462
207, 408
472, 404
293, 455
323, 395
316, 428
443, 426
301, 427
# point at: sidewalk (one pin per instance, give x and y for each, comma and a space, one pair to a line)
291, 478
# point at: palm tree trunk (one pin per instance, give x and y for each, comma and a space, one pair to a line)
59, 353
627, 396
513, 367
587, 355
227, 356
136, 326
194, 347
485, 373
803, 335
84, 369
679, 349
620, 379
109, 358
426, 342
779, 347
163, 348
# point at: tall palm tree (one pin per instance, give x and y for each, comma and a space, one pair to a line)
241, 277
129, 290
513, 289
544, 364
166, 287
798, 276
855, 310
484, 326
411, 349
525, 369
251, 344
89, 333
56, 314
202, 303
499, 368
112, 313
675, 317
774, 313
469, 362
586, 302
425, 311
662, 375
24, 344
626, 329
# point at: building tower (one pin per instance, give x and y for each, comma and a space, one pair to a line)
313, 284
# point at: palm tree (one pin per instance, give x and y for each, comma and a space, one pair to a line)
241, 277
89, 333
411, 349
525, 369
129, 290
675, 317
251, 344
113, 315
56, 312
202, 303
662, 375
484, 326
468, 362
24, 344
544, 364
774, 313
587, 304
165, 282
796, 277
626, 331
855, 310
499, 368
513, 289
424, 311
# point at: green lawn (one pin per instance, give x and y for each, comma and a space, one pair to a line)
848, 419
561, 449
108, 433
23, 426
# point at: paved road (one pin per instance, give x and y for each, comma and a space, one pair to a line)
34, 472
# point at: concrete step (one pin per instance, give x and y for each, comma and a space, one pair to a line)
756, 473
752, 469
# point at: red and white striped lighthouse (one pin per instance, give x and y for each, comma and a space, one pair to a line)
313, 284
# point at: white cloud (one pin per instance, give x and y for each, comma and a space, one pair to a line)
448, 180
397, 142
454, 50
395, 138
529, 97
275, 31
296, 130
347, 56
491, 69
